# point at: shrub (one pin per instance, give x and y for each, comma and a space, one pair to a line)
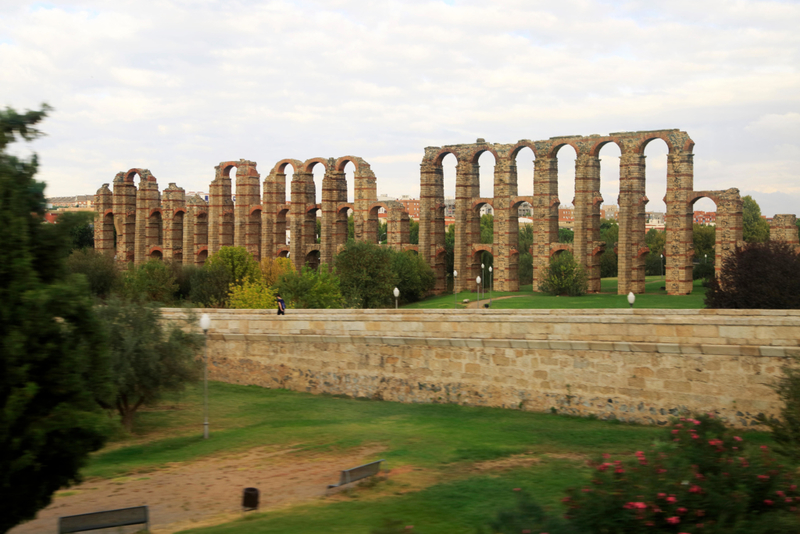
311, 289
786, 428
414, 278
653, 264
251, 295
703, 270
99, 270
565, 277
150, 282
759, 275
273, 268
209, 285
525, 268
365, 274
240, 264
703, 480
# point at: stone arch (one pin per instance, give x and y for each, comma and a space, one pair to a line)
201, 256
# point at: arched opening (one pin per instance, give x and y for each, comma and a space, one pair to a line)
444, 224
608, 225
350, 183
705, 262
129, 233
177, 236
566, 156
253, 236
288, 171
282, 228
312, 259
343, 224
486, 164
283, 253
373, 225
156, 255
483, 260
318, 174
655, 213
524, 161
201, 231
202, 256
108, 235
155, 230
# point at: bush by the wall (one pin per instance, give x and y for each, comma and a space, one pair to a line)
209, 286
310, 288
150, 282
99, 269
251, 295
565, 277
413, 277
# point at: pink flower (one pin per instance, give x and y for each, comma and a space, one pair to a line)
737, 438
675, 431
606, 455
780, 493
695, 489
661, 470
662, 495
763, 477
672, 499
517, 489
768, 502
764, 447
674, 520
681, 510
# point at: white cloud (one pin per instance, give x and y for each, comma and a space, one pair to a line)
179, 85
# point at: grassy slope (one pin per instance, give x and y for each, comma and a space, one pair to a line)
444, 440
654, 297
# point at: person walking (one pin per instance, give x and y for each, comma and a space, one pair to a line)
281, 306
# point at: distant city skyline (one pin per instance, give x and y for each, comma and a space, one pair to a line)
177, 87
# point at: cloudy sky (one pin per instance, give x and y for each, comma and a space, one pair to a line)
176, 86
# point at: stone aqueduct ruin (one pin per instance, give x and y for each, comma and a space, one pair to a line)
147, 224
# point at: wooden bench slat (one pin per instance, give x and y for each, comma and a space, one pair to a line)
357, 473
106, 519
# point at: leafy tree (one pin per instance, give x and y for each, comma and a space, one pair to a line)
414, 277
487, 229
754, 227
413, 232
759, 275
318, 230
153, 281
704, 239
79, 225
525, 238
449, 253
99, 269
149, 357
251, 295
209, 285
383, 232
351, 228
365, 274
609, 232
525, 261
565, 277
565, 235
240, 264
53, 355
273, 268
656, 240
311, 288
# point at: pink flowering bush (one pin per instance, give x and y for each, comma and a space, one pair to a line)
702, 480
705, 482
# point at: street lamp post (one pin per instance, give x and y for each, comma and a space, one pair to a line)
455, 298
491, 284
205, 324
662, 266
478, 290
631, 298
396, 296
483, 276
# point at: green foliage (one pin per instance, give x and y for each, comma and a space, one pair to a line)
487, 229
525, 268
654, 264
240, 264
209, 285
273, 268
318, 230
383, 232
754, 228
413, 277
704, 270
395, 526
250, 295
79, 226
656, 240
609, 232
525, 238
565, 235
449, 253
53, 356
704, 238
528, 516
413, 232
153, 281
365, 275
149, 357
99, 269
703, 478
565, 277
786, 428
759, 275
351, 228
310, 288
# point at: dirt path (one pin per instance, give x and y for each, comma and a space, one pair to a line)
204, 492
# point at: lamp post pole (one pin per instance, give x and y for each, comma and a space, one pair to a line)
491, 285
205, 324
662, 266
483, 277
455, 298
396, 293
478, 290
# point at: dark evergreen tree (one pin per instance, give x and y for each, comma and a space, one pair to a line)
365, 274
53, 357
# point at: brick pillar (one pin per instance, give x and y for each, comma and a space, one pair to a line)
366, 194
632, 201
104, 224
396, 226
587, 217
301, 183
125, 218
195, 229
465, 221
173, 219
729, 227
506, 224
545, 214
247, 228
679, 248
220, 206
147, 199
783, 229
331, 198
431, 218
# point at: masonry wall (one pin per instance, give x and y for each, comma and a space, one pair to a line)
632, 365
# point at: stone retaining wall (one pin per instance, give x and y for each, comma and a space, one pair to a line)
632, 365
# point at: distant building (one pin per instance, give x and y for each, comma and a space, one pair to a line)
705, 218
411, 205
610, 212
566, 216
525, 210
81, 202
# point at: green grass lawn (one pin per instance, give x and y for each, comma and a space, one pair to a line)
653, 297
446, 441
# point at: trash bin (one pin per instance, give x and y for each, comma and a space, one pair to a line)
250, 499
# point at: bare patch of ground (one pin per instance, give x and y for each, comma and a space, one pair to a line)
205, 492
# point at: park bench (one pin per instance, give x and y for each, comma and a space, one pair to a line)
107, 519
357, 473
